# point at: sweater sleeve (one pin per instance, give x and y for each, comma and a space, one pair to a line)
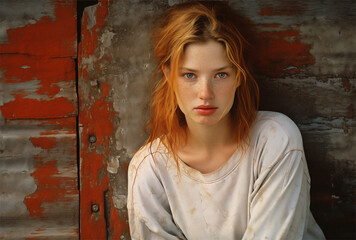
279, 203
150, 216
280, 206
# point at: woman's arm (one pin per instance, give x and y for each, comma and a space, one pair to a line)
279, 203
279, 207
149, 212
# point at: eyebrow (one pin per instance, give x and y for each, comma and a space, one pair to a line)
215, 70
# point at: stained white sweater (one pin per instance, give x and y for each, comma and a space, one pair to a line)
261, 194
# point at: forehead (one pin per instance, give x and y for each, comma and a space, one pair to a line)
205, 55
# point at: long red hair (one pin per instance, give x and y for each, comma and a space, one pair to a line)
181, 25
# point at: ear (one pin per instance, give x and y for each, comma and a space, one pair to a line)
166, 71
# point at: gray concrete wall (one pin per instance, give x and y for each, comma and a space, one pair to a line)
303, 56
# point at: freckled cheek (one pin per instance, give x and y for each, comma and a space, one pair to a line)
227, 92
183, 98
227, 96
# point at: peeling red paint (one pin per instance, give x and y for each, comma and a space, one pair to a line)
51, 187
22, 108
95, 119
48, 73
49, 133
277, 54
103, 126
22, 68
69, 124
60, 34
57, 132
91, 35
38, 75
92, 192
44, 142
118, 225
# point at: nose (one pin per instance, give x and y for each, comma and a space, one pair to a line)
206, 89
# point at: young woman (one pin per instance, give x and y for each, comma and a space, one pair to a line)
213, 166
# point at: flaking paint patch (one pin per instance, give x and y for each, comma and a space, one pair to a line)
60, 31
48, 70
118, 224
26, 88
106, 41
91, 16
22, 141
120, 201
113, 164
45, 79
44, 142
50, 188
15, 14
281, 53
22, 108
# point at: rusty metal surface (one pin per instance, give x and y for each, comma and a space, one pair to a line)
302, 54
39, 197
38, 175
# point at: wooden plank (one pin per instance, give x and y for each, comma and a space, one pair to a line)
38, 173
41, 28
96, 127
37, 87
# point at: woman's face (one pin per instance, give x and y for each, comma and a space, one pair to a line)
206, 83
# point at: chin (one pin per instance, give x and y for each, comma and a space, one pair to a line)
207, 120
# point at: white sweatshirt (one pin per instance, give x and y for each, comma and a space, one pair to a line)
261, 194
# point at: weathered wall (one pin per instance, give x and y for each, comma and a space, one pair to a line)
303, 55
39, 196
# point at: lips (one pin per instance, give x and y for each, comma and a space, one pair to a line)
205, 109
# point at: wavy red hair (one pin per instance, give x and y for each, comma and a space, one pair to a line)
181, 25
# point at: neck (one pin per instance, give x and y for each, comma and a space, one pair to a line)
210, 137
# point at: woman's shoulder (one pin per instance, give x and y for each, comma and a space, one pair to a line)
273, 137
277, 129
148, 156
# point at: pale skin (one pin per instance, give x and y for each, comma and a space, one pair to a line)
205, 92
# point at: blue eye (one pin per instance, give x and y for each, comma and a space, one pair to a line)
189, 75
221, 75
